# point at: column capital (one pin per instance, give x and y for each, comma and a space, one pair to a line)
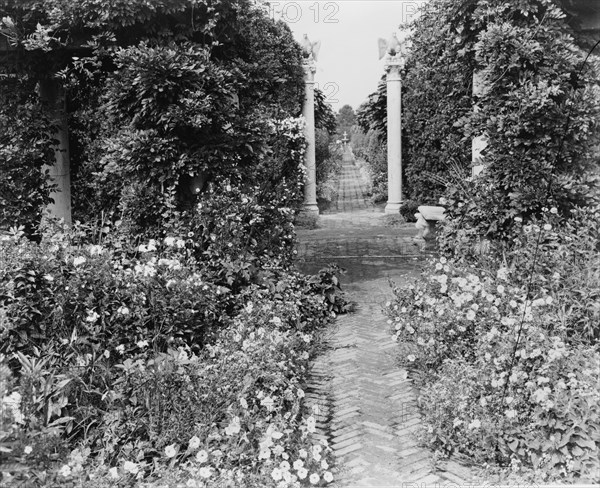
393, 64
310, 68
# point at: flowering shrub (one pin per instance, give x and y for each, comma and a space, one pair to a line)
126, 352
507, 355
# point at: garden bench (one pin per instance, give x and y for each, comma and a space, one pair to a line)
427, 219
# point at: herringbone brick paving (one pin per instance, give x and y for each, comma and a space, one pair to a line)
367, 405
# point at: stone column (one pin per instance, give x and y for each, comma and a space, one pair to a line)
479, 143
308, 111
393, 66
52, 93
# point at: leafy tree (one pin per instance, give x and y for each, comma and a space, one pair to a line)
324, 116
25, 147
184, 91
539, 110
346, 118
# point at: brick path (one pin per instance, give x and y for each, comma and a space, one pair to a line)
367, 404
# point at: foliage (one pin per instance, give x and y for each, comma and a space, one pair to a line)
25, 148
408, 209
538, 108
507, 353
328, 156
373, 150
436, 92
119, 353
184, 92
324, 116
345, 120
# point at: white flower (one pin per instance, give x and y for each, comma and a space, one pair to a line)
411, 357
48, 278
205, 472
243, 403
79, 260
180, 243
547, 227
194, 443
123, 310
471, 315
511, 414
443, 260
142, 248
170, 451
302, 473
310, 424
500, 289
234, 427
65, 470
324, 464
284, 465
554, 210
276, 474
268, 402
106, 353
92, 316
317, 449
328, 477
518, 219
303, 453
142, 344
314, 478
95, 250
120, 349
300, 393
28, 450
442, 201
113, 472
130, 467
169, 241
474, 425
202, 456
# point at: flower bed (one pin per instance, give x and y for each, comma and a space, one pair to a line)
142, 364
507, 354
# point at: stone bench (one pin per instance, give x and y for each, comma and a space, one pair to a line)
427, 219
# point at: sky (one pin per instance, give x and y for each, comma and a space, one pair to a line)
348, 65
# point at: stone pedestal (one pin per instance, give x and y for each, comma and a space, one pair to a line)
427, 219
393, 66
308, 111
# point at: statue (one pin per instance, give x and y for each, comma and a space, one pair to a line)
310, 50
392, 46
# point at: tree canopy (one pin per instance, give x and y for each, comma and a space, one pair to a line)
163, 96
539, 111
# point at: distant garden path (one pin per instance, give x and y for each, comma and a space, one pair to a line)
367, 406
